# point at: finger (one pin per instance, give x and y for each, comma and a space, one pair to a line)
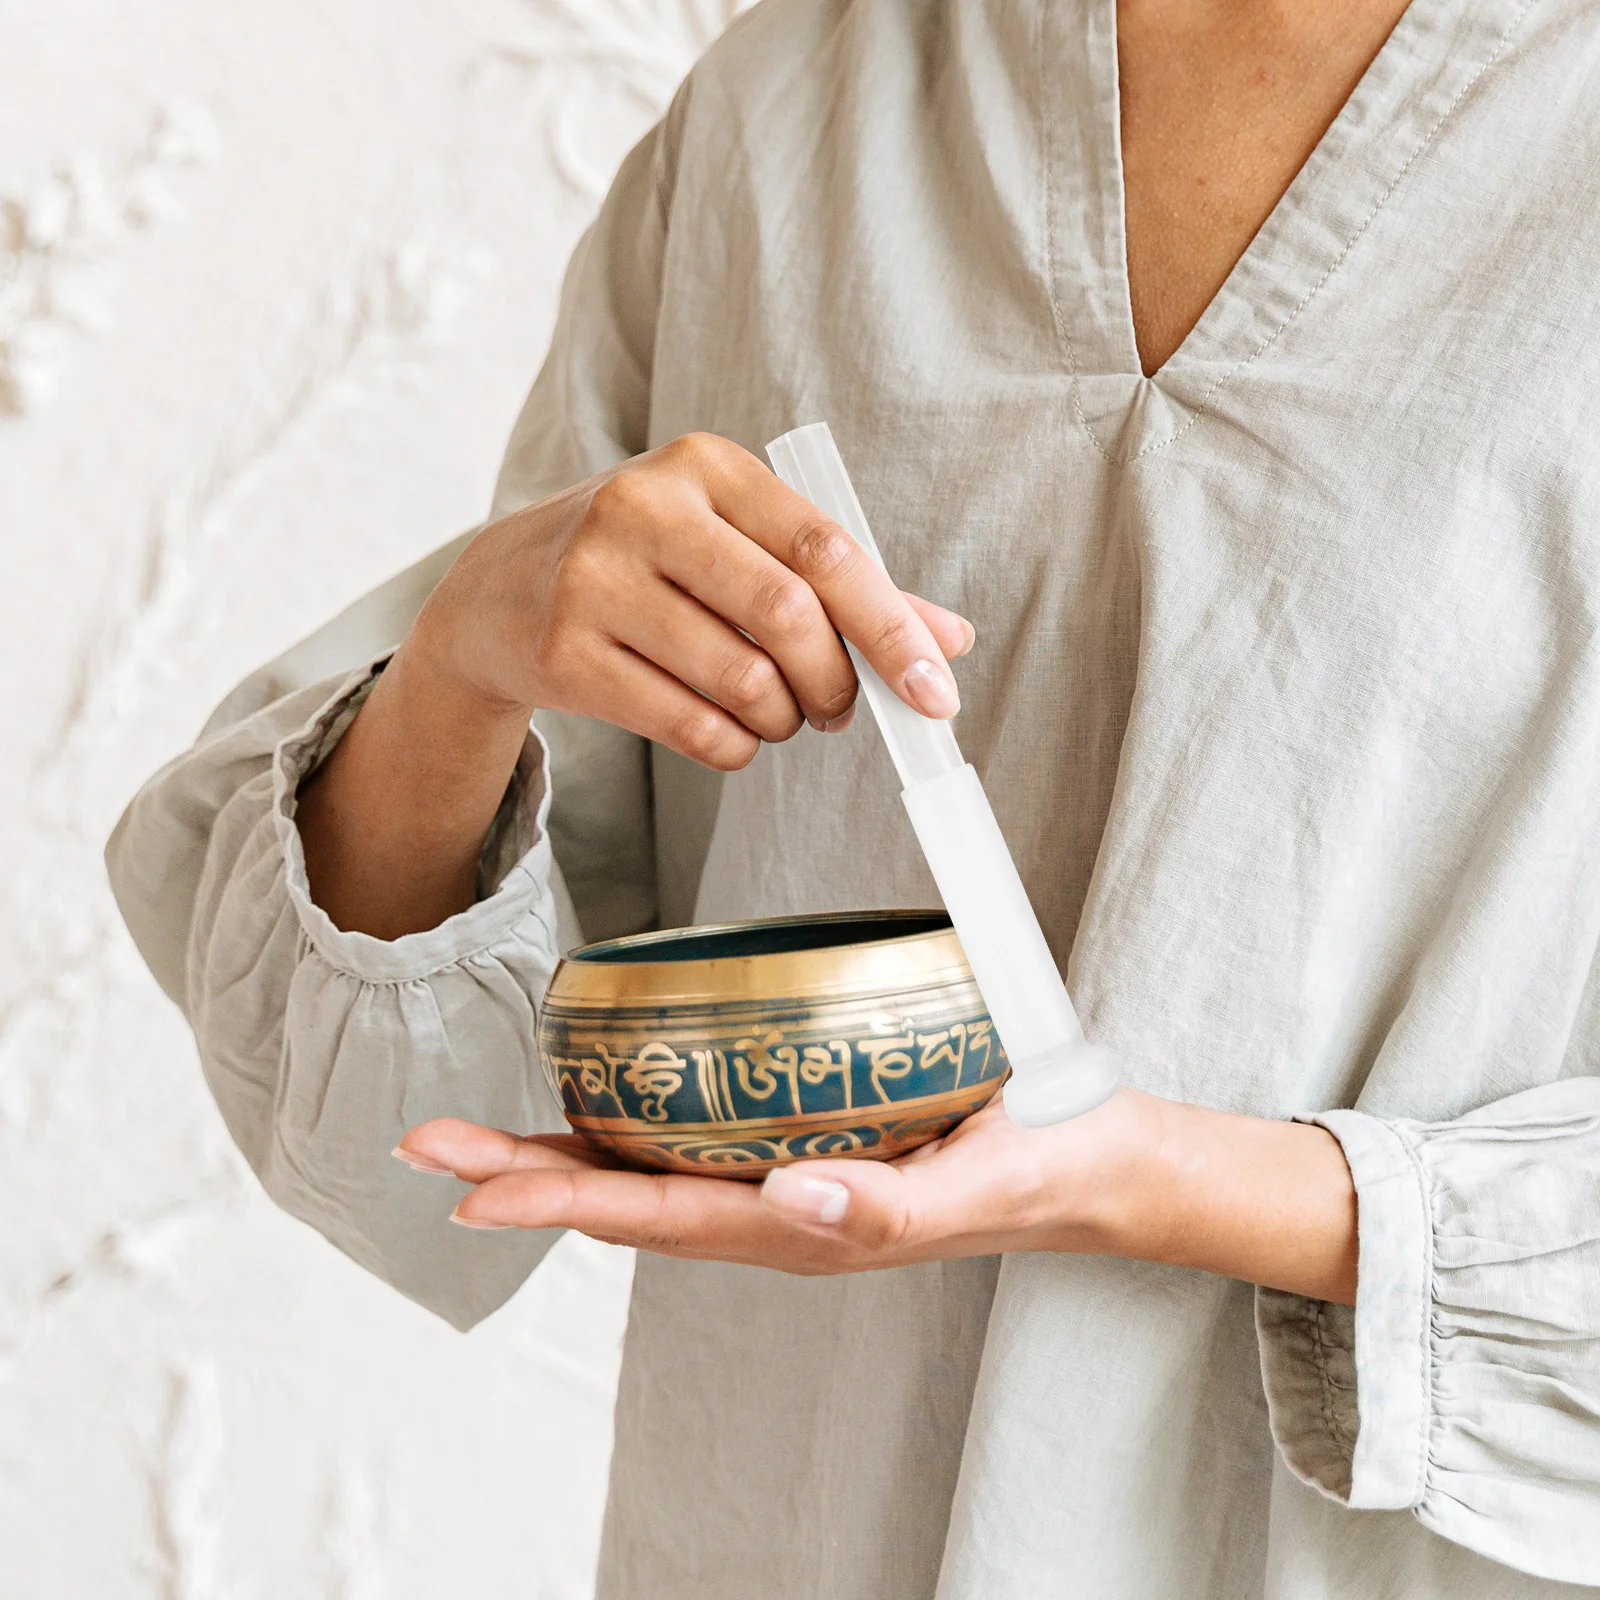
701, 650
664, 1213
855, 591
954, 634
620, 686
474, 1153
736, 578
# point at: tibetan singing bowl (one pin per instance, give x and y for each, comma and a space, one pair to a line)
731, 1050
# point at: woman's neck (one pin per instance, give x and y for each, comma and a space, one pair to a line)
1222, 102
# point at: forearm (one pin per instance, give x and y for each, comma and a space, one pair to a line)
394, 820
1270, 1202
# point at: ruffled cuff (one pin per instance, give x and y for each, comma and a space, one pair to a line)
1465, 1385
1317, 1358
323, 1046
514, 865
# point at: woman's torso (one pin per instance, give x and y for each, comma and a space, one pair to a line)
1285, 695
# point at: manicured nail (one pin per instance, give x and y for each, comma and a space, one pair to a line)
805, 1199
932, 690
476, 1222
972, 637
421, 1163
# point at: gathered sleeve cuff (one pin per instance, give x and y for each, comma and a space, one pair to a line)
322, 1047
1465, 1383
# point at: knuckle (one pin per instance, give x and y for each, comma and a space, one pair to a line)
790, 725
699, 734
697, 450
737, 755
622, 498
821, 549
584, 589
834, 702
785, 606
893, 636
659, 1243
606, 501
747, 681
662, 1229
566, 1197
582, 563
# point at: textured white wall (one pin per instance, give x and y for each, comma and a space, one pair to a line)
274, 275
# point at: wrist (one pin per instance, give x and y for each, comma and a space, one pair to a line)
1261, 1199
438, 664
1139, 1209
393, 822
1096, 1192
1178, 1192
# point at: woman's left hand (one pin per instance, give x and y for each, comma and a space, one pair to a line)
1268, 1201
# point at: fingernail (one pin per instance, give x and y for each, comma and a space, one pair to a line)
476, 1222
932, 690
421, 1163
972, 637
805, 1199
839, 724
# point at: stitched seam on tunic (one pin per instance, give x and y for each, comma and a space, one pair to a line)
1047, 166
1337, 262
1320, 1348
1425, 1354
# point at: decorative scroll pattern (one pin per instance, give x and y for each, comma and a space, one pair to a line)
664, 1092
752, 1150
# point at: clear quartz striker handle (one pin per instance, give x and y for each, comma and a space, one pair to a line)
1055, 1072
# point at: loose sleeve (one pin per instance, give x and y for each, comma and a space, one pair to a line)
322, 1047
1465, 1384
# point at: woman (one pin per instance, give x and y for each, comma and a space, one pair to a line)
1230, 372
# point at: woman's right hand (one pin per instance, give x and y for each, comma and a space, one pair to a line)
687, 595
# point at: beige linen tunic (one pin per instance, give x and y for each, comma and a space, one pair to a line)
1287, 694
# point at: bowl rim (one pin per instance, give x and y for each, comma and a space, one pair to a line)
894, 962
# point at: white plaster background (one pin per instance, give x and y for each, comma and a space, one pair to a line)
274, 275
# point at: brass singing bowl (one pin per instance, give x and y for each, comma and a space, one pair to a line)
733, 1049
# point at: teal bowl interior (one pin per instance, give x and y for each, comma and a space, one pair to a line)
774, 936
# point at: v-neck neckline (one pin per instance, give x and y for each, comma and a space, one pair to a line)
1432, 59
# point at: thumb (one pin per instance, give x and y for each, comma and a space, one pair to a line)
864, 1202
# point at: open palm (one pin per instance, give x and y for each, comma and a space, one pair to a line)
987, 1186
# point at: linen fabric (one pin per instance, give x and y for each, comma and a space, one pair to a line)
1287, 696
